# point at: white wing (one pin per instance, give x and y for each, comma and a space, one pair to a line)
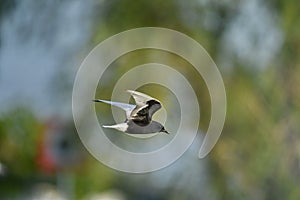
128, 108
140, 98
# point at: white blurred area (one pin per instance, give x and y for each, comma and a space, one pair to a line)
49, 192
46, 192
108, 195
41, 42
2, 169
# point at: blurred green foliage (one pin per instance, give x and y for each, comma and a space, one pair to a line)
19, 132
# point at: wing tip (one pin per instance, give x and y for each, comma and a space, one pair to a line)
102, 101
130, 91
97, 100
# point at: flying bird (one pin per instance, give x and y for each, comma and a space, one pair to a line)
139, 116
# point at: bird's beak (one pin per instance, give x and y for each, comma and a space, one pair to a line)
165, 131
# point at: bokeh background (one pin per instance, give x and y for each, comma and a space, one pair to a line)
256, 46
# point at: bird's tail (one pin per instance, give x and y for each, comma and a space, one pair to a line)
108, 126
121, 127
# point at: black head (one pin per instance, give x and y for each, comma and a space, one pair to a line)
164, 130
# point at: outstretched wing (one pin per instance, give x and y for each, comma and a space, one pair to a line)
146, 107
140, 98
128, 108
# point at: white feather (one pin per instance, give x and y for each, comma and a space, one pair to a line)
121, 127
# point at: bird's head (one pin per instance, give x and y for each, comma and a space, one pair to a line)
164, 130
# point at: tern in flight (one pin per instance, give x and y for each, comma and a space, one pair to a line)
139, 116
